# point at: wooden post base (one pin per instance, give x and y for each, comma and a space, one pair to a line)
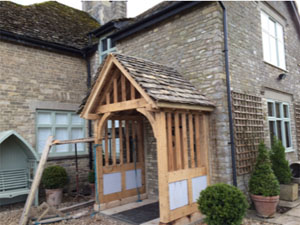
197, 216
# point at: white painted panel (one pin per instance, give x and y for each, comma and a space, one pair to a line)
112, 183
131, 180
198, 184
178, 193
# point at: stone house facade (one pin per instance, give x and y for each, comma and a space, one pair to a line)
43, 74
190, 38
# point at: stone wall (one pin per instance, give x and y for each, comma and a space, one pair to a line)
192, 43
249, 72
31, 79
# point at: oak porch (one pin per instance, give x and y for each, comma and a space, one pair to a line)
124, 92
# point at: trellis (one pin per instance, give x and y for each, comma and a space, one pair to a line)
297, 117
248, 129
181, 131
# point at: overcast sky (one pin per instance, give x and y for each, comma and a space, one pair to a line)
134, 7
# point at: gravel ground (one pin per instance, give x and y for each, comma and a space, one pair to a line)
10, 215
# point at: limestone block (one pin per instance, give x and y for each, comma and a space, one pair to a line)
289, 192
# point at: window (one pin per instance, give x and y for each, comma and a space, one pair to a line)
273, 44
106, 46
63, 126
280, 123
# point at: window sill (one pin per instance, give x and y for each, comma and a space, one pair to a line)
289, 150
277, 67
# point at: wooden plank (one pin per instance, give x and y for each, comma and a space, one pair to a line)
123, 194
140, 141
177, 142
120, 168
121, 141
205, 144
79, 140
185, 106
170, 142
115, 90
149, 115
185, 142
191, 133
97, 87
122, 106
134, 139
107, 98
108, 88
186, 174
132, 92
98, 130
162, 164
190, 191
198, 141
106, 145
183, 211
127, 141
36, 182
77, 206
123, 88
113, 142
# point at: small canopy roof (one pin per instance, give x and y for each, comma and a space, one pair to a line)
21, 141
159, 85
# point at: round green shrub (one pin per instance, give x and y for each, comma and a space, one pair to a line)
54, 177
263, 181
280, 165
222, 204
91, 177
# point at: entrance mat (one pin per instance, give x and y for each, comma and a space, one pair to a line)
139, 215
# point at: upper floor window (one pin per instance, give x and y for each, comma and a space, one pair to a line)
280, 122
273, 41
106, 46
63, 125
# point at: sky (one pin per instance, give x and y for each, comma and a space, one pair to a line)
134, 7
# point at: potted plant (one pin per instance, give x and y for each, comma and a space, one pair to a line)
91, 179
263, 185
280, 166
53, 180
222, 204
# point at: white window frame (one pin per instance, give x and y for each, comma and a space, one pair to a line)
279, 42
282, 121
109, 49
53, 126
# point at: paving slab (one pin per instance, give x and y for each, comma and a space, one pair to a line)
294, 212
289, 203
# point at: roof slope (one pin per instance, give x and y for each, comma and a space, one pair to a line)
49, 21
161, 83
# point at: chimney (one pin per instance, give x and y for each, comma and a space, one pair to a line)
105, 11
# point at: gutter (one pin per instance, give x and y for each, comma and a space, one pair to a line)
8, 36
294, 7
165, 13
232, 144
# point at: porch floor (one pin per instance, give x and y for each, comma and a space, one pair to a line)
145, 212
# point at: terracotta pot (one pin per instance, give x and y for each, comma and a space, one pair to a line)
92, 186
54, 196
265, 206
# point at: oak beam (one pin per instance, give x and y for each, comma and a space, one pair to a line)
122, 106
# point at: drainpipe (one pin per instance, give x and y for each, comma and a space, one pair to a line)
89, 82
232, 144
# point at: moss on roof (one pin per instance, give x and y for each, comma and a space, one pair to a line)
48, 21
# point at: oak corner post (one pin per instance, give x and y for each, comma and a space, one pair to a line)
162, 159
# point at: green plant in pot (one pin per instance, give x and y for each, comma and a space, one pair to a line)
222, 204
263, 184
91, 179
53, 180
280, 166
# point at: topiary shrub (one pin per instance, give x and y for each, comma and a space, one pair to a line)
280, 165
54, 177
91, 177
263, 181
222, 204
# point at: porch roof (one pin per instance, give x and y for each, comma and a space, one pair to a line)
161, 83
